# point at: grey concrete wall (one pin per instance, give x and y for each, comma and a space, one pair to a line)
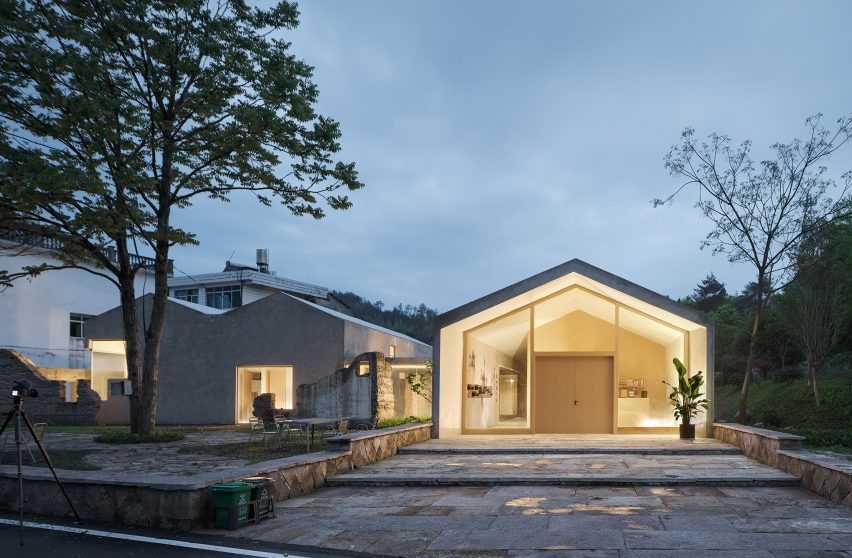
201, 352
362, 339
340, 394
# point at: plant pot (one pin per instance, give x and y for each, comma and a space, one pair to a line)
687, 431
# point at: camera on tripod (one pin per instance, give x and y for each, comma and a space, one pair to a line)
22, 389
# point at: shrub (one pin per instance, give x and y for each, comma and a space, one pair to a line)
787, 374
771, 418
826, 438
396, 421
130, 438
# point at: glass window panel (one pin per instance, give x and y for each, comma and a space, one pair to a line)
575, 321
496, 373
646, 348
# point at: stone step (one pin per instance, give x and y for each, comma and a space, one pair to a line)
354, 480
434, 469
423, 449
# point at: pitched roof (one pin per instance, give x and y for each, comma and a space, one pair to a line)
197, 307
353, 320
250, 276
581, 268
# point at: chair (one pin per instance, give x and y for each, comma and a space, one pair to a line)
364, 424
288, 427
262, 428
341, 427
26, 438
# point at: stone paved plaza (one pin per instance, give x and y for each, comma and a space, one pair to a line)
571, 443
584, 521
142, 459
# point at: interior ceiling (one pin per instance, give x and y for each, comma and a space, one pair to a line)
507, 334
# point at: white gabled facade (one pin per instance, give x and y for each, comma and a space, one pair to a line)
36, 313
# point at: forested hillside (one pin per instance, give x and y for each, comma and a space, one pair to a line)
803, 370
414, 321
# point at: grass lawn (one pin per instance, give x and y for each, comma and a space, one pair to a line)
186, 429
789, 406
254, 452
62, 459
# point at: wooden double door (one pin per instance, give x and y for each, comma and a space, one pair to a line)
573, 395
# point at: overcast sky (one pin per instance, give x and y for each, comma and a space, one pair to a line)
499, 139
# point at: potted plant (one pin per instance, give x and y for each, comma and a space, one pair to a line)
686, 399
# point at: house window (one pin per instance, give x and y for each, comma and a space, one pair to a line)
363, 368
224, 297
392, 352
189, 295
119, 387
78, 322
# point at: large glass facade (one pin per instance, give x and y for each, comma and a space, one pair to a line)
496, 374
575, 321
646, 348
502, 357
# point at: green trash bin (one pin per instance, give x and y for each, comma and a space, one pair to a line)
261, 494
231, 504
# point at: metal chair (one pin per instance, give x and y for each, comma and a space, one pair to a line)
365, 424
341, 427
261, 428
26, 438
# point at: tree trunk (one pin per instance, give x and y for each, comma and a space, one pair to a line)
132, 339
813, 382
742, 413
153, 338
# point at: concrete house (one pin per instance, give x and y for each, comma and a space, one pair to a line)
574, 349
213, 362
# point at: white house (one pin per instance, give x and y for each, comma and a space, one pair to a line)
44, 318
240, 284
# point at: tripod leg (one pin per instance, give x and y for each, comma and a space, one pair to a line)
20, 476
49, 463
2, 429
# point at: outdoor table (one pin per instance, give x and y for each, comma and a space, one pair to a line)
310, 424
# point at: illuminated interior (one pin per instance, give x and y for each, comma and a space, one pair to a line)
488, 361
109, 362
254, 380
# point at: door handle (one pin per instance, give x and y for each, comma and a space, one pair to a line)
575, 402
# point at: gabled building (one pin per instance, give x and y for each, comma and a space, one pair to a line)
572, 350
214, 362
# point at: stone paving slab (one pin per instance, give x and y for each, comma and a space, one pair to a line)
643, 444
580, 522
560, 469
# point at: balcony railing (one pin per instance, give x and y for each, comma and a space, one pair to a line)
39, 241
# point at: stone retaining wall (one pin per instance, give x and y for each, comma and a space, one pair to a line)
184, 503
827, 476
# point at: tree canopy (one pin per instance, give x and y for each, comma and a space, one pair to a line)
117, 114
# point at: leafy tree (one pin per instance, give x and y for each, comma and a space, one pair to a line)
709, 294
421, 382
812, 302
115, 115
414, 321
760, 214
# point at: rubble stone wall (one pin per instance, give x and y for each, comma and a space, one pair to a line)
50, 405
823, 475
